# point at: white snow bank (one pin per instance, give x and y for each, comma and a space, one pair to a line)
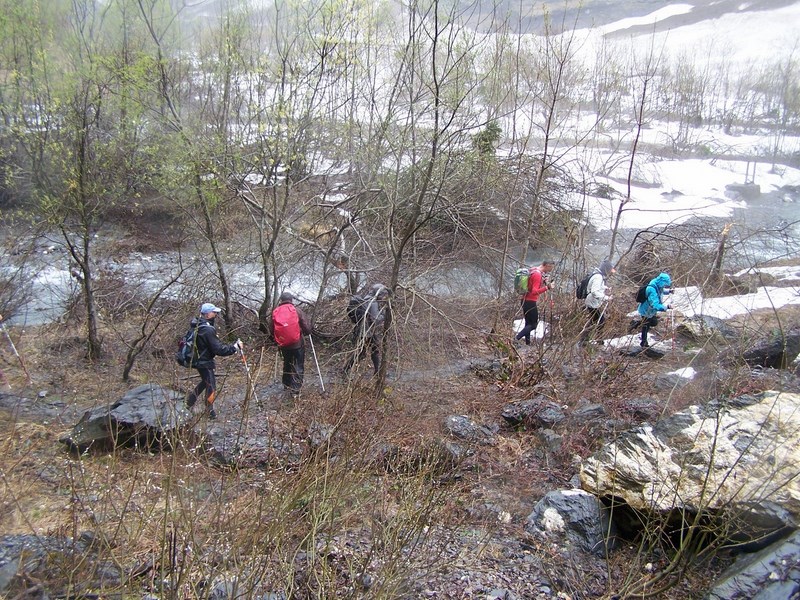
676, 191
690, 302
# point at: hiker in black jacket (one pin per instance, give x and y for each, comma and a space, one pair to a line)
373, 321
208, 346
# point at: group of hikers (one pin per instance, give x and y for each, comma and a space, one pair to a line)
371, 317
595, 296
288, 325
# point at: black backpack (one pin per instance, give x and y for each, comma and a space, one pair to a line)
187, 348
357, 308
582, 291
641, 293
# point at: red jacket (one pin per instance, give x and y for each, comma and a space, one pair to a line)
536, 286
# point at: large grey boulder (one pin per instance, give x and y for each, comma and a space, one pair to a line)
775, 353
143, 416
575, 519
745, 191
589, 412
771, 574
702, 328
739, 456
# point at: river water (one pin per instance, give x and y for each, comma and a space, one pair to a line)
767, 228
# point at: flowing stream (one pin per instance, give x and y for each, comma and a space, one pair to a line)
769, 227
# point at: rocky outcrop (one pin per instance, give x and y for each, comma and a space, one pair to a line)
772, 574
702, 328
745, 191
574, 517
144, 416
745, 283
775, 353
740, 456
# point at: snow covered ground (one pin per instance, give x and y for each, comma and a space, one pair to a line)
689, 302
673, 191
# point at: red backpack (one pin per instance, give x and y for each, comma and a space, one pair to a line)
285, 325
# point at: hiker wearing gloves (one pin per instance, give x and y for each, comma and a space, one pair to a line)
537, 285
653, 304
289, 324
372, 319
208, 346
596, 295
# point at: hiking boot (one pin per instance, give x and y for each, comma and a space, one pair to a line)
212, 414
190, 400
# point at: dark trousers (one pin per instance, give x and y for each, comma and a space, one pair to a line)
531, 312
646, 325
362, 342
294, 360
208, 384
593, 328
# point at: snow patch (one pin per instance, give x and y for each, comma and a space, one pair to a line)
650, 19
686, 373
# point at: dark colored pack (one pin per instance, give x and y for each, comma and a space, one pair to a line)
641, 294
357, 308
582, 291
187, 348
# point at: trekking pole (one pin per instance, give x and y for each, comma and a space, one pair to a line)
314, 354
672, 323
14, 348
602, 314
250, 384
244, 361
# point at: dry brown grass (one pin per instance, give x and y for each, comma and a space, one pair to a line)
381, 480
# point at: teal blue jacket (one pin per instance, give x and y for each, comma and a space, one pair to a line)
655, 292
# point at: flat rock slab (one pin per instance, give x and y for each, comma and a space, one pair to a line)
772, 574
